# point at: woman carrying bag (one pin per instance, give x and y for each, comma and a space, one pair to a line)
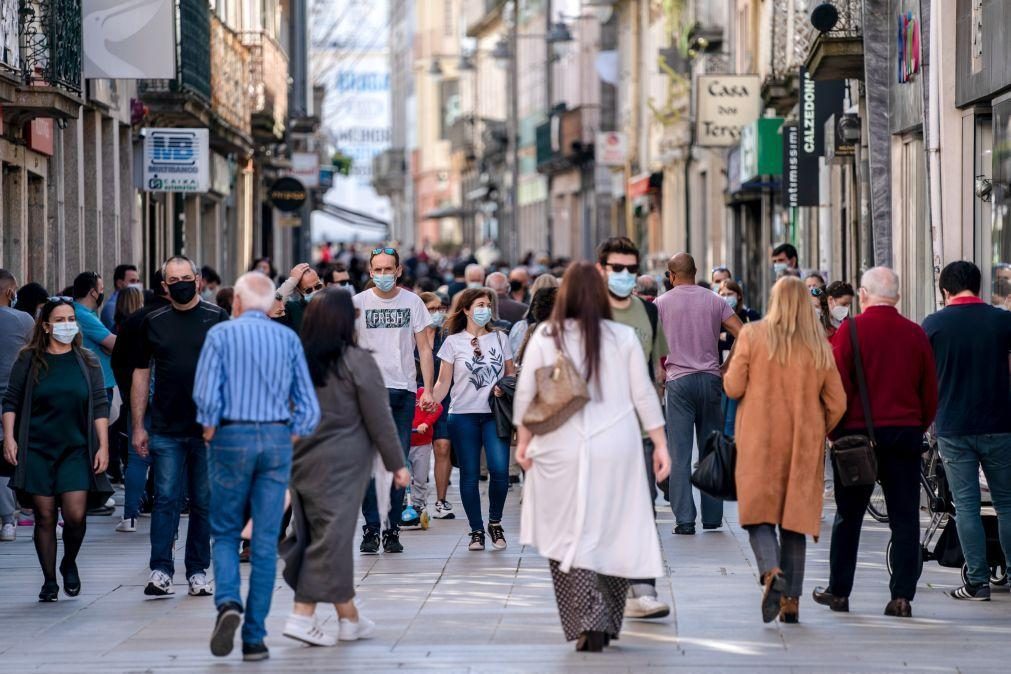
784, 375
56, 438
582, 393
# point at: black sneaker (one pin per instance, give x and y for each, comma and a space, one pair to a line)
970, 592
391, 541
370, 542
498, 540
255, 652
476, 541
223, 636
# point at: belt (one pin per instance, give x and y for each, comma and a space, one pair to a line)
236, 422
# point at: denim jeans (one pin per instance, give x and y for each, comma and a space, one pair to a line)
402, 404
249, 469
729, 408
180, 466
646, 587
963, 455
468, 433
693, 412
135, 476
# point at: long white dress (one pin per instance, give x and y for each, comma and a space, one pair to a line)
585, 500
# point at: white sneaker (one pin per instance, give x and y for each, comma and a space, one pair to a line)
8, 532
444, 511
199, 585
645, 608
127, 525
353, 631
59, 531
110, 502
159, 584
304, 629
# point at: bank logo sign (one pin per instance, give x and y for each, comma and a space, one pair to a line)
726, 104
176, 160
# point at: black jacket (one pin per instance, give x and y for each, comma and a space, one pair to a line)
502, 407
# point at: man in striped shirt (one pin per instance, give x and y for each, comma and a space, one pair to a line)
254, 397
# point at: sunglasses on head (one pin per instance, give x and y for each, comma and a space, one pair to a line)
817, 292
631, 268
477, 347
386, 251
720, 268
60, 298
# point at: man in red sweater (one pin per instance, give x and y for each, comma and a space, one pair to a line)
902, 386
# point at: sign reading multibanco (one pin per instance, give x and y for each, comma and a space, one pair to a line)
176, 160
726, 103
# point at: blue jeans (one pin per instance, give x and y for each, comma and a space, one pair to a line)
249, 468
468, 433
402, 404
135, 477
180, 466
963, 455
693, 412
729, 409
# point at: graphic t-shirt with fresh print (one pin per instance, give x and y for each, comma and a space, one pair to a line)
387, 329
475, 371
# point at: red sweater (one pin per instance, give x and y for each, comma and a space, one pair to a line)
423, 417
899, 368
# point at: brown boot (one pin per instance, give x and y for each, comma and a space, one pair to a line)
773, 583
899, 608
789, 610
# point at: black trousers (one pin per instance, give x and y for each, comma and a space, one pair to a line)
899, 473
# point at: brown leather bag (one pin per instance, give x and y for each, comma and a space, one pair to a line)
561, 393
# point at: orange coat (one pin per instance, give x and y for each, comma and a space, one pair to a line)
785, 412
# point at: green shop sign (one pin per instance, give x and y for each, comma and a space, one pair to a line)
761, 149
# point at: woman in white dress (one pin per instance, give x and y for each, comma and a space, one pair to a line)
577, 473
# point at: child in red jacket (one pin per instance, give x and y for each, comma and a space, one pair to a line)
420, 459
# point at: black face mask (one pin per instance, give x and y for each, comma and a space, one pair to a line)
183, 292
99, 299
515, 286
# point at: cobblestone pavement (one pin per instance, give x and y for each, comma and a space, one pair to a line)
442, 608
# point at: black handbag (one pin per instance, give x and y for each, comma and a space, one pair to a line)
715, 473
854, 456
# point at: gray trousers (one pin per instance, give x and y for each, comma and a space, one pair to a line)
421, 459
694, 411
785, 553
7, 504
646, 587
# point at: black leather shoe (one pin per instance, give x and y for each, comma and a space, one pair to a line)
822, 596
899, 608
685, 529
50, 591
71, 579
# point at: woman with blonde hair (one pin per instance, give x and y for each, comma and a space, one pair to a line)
784, 375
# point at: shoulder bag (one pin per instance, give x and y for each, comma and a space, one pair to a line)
716, 472
561, 393
854, 455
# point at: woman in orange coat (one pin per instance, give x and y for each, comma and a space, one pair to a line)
791, 396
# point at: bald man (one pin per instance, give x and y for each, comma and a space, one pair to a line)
509, 310
692, 319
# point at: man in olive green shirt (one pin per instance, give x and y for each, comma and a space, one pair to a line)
618, 262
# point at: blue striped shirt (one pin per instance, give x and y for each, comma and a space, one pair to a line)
252, 369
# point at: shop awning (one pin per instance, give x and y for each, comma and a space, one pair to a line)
343, 225
448, 212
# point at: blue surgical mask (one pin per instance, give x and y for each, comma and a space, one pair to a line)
621, 283
65, 332
481, 316
437, 318
384, 282
308, 296
731, 301
475, 284
779, 267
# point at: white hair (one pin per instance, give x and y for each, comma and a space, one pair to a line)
473, 269
881, 282
256, 291
497, 281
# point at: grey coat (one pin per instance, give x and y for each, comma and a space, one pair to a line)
329, 475
18, 399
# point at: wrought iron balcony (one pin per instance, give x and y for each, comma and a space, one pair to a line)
838, 53
193, 56
230, 77
268, 84
50, 43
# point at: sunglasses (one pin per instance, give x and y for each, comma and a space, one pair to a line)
382, 251
315, 288
631, 268
477, 348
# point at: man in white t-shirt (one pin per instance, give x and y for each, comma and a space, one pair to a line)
391, 324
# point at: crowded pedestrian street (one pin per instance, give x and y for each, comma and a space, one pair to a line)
441, 608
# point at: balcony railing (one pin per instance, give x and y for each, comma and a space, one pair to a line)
229, 77
791, 36
268, 79
193, 54
837, 53
50, 42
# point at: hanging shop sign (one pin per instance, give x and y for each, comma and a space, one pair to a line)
287, 194
761, 149
818, 100
611, 148
726, 103
907, 47
800, 174
128, 40
305, 167
176, 160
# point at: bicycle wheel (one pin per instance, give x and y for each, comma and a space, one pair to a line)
876, 508
888, 557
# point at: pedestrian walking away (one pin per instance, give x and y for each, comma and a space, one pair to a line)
476, 359
791, 396
973, 424
253, 396
56, 438
692, 319
331, 469
391, 324
618, 262
577, 472
901, 384
169, 344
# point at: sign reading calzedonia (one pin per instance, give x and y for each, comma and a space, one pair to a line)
176, 160
726, 103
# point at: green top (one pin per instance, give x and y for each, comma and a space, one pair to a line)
59, 406
654, 347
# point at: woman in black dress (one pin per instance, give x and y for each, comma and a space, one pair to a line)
55, 438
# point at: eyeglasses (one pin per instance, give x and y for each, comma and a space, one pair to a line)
817, 292
631, 268
386, 251
477, 348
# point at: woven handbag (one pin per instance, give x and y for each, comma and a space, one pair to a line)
561, 393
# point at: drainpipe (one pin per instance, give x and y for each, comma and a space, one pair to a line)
934, 146
634, 110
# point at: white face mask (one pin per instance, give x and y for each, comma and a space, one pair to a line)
65, 332
839, 313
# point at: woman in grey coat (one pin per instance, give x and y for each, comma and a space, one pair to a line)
331, 470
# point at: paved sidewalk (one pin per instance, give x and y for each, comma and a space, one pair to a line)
442, 608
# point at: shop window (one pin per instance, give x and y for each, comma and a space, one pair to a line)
1000, 193
982, 201
915, 254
